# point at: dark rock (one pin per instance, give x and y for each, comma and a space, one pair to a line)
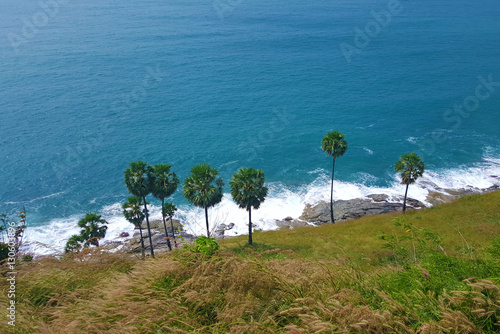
158, 225
492, 188
290, 224
124, 235
288, 219
410, 202
379, 197
436, 198
415, 203
113, 242
319, 212
222, 228
344, 210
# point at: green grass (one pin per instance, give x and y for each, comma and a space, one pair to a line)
339, 278
472, 220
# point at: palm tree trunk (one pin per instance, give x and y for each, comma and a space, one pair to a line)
142, 242
331, 195
206, 218
173, 234
149, 228
404, 203
250, 241
164, 224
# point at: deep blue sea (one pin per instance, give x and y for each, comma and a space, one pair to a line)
88, 86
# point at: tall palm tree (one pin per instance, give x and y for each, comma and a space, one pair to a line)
168, 209
139, 179
134, 214
411, 168
335, 145
94, 228
164, 186
203, 188
248, 190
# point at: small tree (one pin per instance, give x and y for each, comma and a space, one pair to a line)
335, 145
411, 168
168, 210
74, 244
139, 179
134, 214
248, 190
93, 228
164, 186
203, 188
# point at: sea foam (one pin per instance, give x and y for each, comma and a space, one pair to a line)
282, 201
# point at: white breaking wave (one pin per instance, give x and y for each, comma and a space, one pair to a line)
367, 150
282, 202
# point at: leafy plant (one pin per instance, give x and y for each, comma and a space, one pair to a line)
206, 245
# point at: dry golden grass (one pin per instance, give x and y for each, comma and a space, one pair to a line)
329, 279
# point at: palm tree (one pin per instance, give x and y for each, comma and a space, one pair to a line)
139, 179
93, 229
203, 188
164, 185
133, 213
168, 209
74, 244
335, 145
248, 190
411, 168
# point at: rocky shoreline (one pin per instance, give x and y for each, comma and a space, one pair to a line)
313, 214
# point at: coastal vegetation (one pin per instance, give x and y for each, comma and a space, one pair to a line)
439, 274
248, 191
139, 179
203, 188
135, 215
168, 210
93, 228
335, 145
164, 185
411, 168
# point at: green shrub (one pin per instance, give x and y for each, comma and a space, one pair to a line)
207, 246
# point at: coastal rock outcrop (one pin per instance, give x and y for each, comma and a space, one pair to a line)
221, 230
319, 213
158, 225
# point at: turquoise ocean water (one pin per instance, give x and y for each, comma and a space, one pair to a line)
88, 86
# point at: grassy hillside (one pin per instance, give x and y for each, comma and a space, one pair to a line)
433, 271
